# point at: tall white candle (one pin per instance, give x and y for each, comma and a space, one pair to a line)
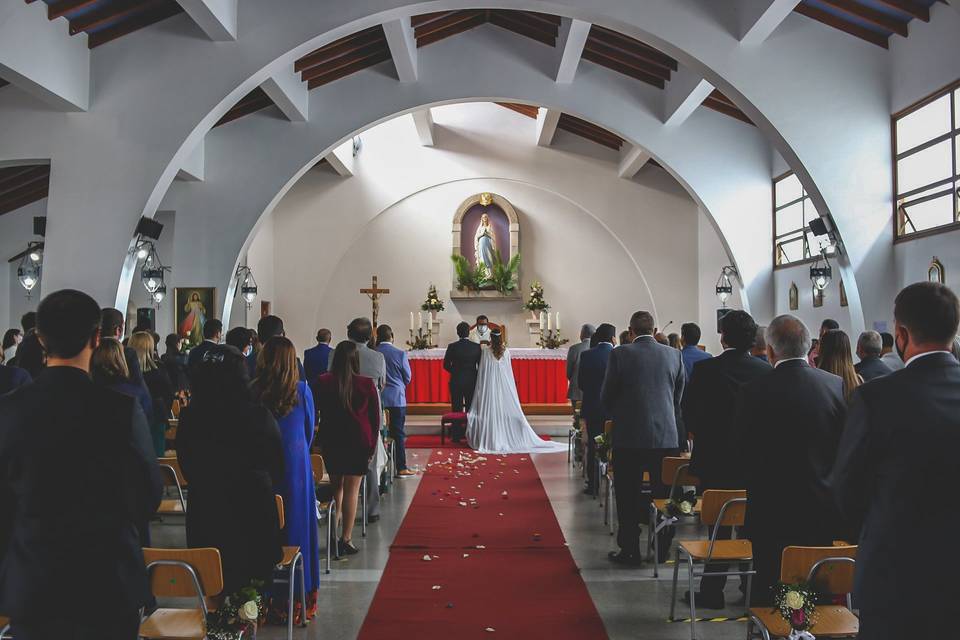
411, 321
549, 322
558, 321
419, 319
543, 322
430, 322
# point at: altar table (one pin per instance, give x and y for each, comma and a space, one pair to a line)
541, 376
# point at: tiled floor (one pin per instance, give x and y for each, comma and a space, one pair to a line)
631, 602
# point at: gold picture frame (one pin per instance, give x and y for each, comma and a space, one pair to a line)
192, 307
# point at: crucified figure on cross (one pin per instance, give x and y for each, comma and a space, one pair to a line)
374, 292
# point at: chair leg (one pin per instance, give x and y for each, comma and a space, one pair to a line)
676, 576
749, 586
610, 506
693, 606
331, 539
290, 595
303, 591
652, 533
363, 500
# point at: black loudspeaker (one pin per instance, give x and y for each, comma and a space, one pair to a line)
40, 226
146, 319
820, 226
149, 228
720, 314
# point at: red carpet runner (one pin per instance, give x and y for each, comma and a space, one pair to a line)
498, 565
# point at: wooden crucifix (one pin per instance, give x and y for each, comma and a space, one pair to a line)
374, 293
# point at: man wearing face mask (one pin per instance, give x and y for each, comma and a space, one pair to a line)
480, 331
897, 452
239, 337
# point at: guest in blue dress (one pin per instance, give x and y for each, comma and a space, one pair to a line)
279, 388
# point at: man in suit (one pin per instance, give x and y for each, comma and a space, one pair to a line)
111, 326
212, 334
372, 365
270, 326
897, 453
692, 353
461, 361
395, 393
573, 362
709, 410
12, 378
316, 360
65, 431
869, 348
593, 368
887, 354
789, 424
641, 392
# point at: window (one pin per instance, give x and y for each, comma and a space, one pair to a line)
925, 171
792, 212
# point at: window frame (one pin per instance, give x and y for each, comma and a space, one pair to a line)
810, 257
950, 185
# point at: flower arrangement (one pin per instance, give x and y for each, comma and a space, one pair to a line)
682, 505
603, 446
797, 603
433, 301
536, 301
238, 614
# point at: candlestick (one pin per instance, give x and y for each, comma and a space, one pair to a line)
411, 321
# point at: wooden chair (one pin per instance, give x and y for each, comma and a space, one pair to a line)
720, 508
292, 559
325, 504
831, 570
575, 434
172, 477
5, 628
182, 573
675, 471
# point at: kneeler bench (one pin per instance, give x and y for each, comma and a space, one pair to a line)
450, 420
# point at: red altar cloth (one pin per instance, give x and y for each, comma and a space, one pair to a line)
539, 380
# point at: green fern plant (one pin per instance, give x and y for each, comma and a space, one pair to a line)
466, 275
504, 276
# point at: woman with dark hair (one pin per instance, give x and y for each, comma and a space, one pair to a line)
108, 368
279, 389
30, 355
11, 340
349, 409
230, 451
674, 341
836, 356
175, 362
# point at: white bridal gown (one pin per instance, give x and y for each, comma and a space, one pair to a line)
496, 423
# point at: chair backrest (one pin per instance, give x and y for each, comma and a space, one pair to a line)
675, 473
175, 408
714, 501
834, 569
175, 581
178, 477
281, 517
316, 461
608, 428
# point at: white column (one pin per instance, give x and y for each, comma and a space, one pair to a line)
683, 94
403, 48
572, 40
194, 166
759, 19
632, 160
423, 121
547, 120
217, 18
289, 93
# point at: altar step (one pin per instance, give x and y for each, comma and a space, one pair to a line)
546, 425
439, 408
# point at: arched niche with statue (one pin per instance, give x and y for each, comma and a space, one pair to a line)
485, 224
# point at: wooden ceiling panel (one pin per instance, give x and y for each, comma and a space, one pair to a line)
629, 57
589, 131
433, 27
250, 103
871, 20
722, 104
23, 185
525, 109
342, 57
106, 20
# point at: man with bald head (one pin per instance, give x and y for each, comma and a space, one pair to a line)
789, 424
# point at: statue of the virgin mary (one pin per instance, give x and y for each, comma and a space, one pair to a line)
485, 243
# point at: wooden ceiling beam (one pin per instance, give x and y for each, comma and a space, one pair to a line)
437, 36
110, 15
726, 109
450, 20
370, 51
16, 175
525, 109
529, 19
423, 18
65, 7
161, 11
624, 69
838, 23
910, 8
511, 23
617, 56
635, 47
874, 17
25, 185
341, 47
9, 204
347, 70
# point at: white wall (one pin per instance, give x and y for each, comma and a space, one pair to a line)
711, 258
16, 229
811, 316
602, 246
261, 255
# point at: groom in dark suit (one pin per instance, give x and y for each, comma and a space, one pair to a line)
461, 361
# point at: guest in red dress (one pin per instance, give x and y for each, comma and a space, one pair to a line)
349, 409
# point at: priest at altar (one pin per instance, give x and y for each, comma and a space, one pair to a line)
540, 375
